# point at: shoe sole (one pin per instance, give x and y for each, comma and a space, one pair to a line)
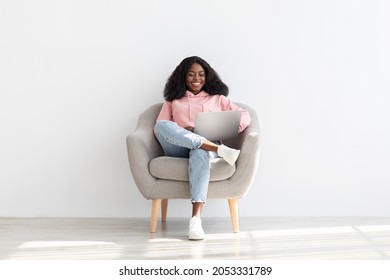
195, 238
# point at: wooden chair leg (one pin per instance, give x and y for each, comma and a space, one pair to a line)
164, 210
156, 206
234, 213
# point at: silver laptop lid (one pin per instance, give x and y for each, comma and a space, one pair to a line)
218, 125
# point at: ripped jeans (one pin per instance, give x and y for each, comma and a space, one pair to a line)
179, 142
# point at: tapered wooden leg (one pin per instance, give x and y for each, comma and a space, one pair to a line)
234, 213
156, 206
164, 210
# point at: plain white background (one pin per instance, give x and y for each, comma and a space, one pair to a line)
75, 75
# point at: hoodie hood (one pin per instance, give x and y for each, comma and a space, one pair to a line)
199, 95
195, 103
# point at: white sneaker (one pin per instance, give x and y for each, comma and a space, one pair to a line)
228, 154
195, 230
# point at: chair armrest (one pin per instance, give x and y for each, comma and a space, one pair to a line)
247, 163
142, 147
250, 149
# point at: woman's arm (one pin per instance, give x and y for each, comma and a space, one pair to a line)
228, 105
166, 112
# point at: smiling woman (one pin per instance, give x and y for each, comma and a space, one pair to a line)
194, 87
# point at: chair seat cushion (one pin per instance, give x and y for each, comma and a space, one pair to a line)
173, 168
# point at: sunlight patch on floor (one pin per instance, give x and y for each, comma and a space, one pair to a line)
163, 240
67, 250
50, 244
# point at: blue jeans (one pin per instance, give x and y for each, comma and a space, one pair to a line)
179, 142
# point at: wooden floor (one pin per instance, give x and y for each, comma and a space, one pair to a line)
259, 238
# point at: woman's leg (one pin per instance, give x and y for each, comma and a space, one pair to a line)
176, 135
170, 149
199, 174
170, 132
179, 142
197, 208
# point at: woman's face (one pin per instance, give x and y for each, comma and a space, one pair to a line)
195, 78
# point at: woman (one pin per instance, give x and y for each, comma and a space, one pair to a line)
195, 87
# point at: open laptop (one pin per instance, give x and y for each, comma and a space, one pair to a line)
218, 125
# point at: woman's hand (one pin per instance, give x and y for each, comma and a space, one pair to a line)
190, 128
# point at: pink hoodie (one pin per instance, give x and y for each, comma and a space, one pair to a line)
183, 111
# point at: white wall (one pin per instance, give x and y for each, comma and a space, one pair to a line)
74, 76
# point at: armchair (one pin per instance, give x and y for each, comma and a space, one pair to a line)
160, 178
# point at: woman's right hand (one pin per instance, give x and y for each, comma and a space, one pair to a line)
190, 128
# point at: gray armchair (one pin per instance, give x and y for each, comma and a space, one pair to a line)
160, 178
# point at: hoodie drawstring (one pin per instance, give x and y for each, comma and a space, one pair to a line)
189, 105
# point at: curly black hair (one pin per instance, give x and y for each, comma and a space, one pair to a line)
176, 87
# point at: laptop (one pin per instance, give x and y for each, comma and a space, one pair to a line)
216, 126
